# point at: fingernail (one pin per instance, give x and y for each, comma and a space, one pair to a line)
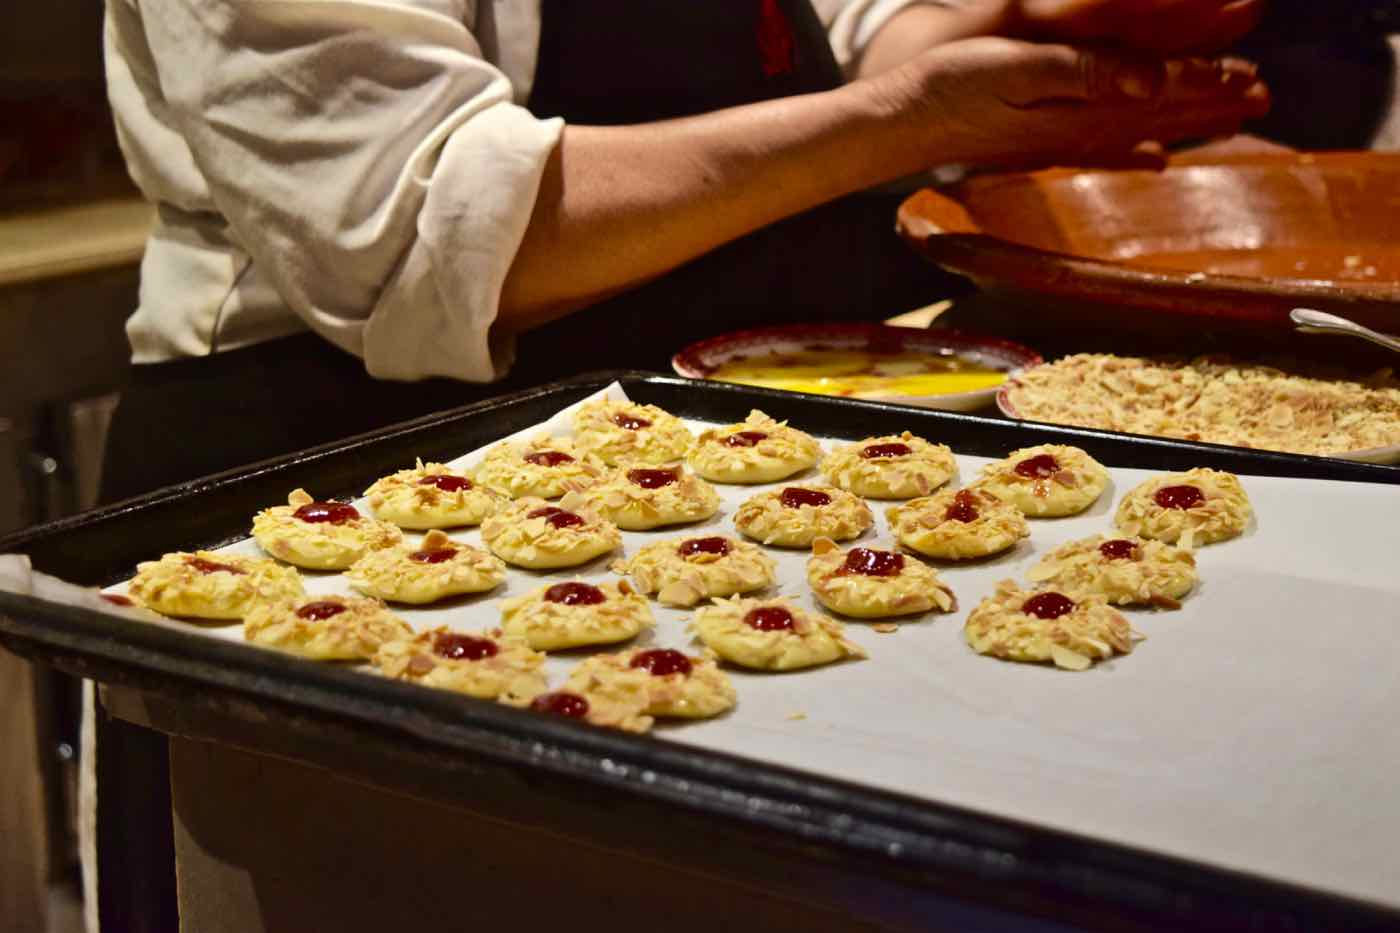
1139, 81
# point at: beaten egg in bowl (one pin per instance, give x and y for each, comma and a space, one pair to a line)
862, 373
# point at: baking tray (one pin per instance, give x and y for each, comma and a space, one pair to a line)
927, 850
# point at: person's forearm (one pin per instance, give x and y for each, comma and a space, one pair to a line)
925, 25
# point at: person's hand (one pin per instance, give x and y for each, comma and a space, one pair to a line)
1171, 26
1006, 102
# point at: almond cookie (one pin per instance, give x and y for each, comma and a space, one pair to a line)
757, 450
1199, 506
625, 432
677, 686
866, 583
1047, 481
958, 524
532, 533
771, 634
544, 466
320, 535
890, 467
615, 703
568, 615
438, 569
489, 665
430, 495
325, 628
795, 516
205, 585
1125, 571
1046, 625
683, 571
640, 498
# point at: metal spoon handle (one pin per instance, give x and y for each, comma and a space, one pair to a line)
1310, 321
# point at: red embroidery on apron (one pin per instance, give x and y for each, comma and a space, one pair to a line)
776, 46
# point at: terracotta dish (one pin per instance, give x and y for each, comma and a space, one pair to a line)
1238, 240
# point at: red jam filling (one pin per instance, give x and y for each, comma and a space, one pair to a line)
574, 594
1118, 549
1047, 605
769, 619
1179, 497
630, 422
446, 482
962, 509
877, 451
694, 546
433, 557
322, 609
662, 661
464, 647
1042, 466
548, 458
744, 438
795, 496
873, 563
333, 513
651, 479
210, 566
556, 517
561, 704
117, 599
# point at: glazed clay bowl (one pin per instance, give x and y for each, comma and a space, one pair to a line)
1214, 241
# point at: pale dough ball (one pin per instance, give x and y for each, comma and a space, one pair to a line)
625, 432
1048, 481
683, 571
958, 524
535, 534
325, 628
677, 685
1046, 625
320, 535
757, 450
1199, 506
639, 498
894, 466
867, 583
490, 665
795, 516
430, 496
440, 568
1125, 571
771, 634
574, 613
206, 585
544, 466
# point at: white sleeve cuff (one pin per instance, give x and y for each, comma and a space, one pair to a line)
853, 28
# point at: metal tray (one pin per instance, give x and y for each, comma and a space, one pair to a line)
922, 857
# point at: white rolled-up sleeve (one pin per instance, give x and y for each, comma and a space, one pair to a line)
367, 158
851, 24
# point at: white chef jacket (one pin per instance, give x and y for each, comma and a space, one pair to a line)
362, 168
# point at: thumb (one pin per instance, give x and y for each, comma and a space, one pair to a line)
1063, 72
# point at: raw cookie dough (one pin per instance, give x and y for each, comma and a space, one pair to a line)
1125, 571
1046, 625
895, 466
574, 613
325, 628
535, 534
1199, 506
677, 685
957, 524
1048, 481
320, 535
795, 516
430, 496
625, 432
866, 583
205, 585
684, 571
757, 450
639, 498
490, 665
771, 634
439, 568
544, 466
